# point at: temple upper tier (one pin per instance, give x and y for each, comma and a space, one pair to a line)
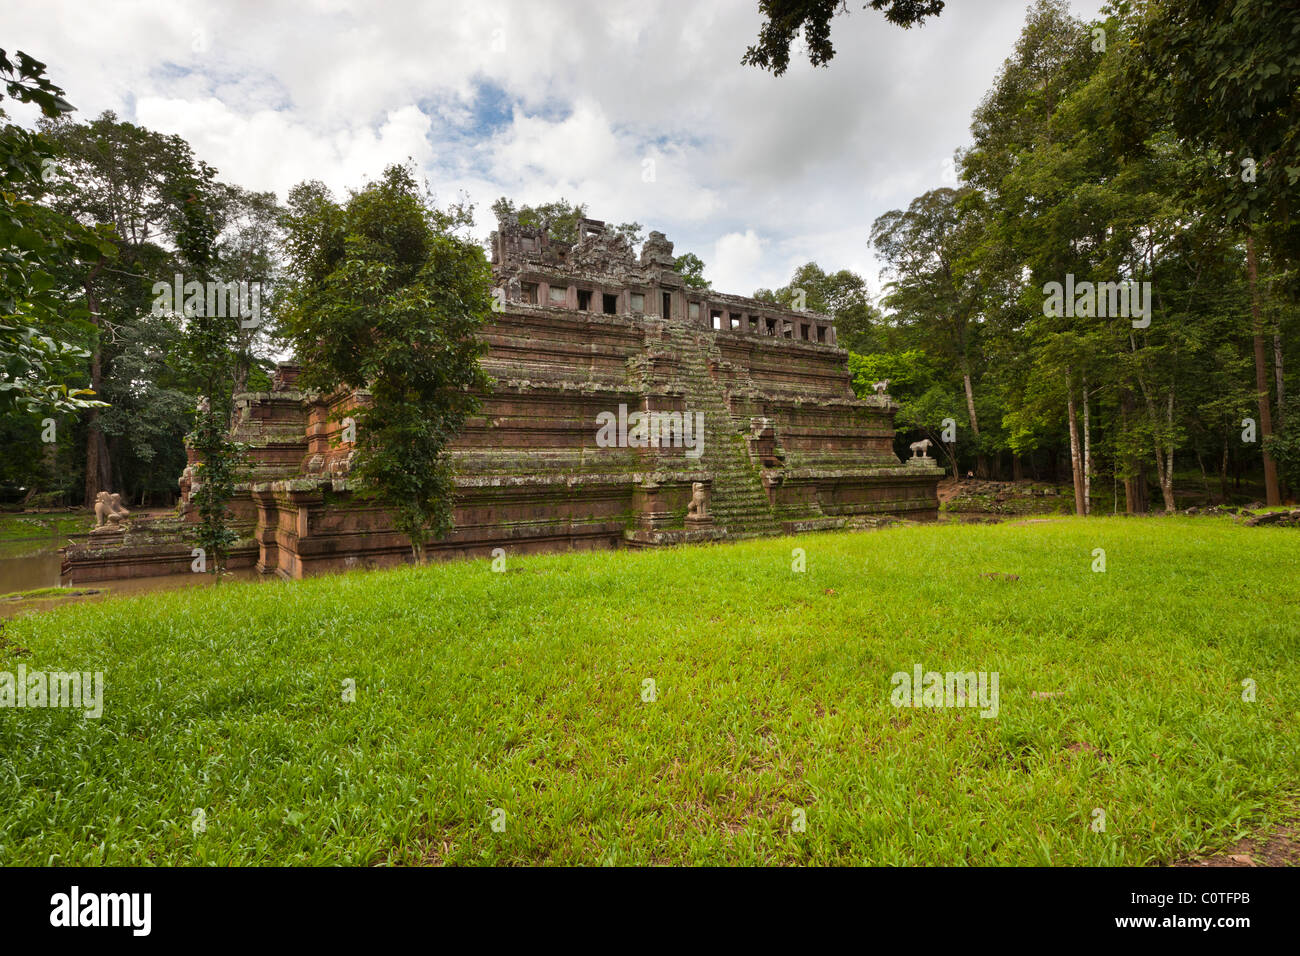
600, 273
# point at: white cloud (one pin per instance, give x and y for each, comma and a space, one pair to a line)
269, 149
539, 100
736, 259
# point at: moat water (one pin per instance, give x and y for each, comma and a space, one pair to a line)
31, 563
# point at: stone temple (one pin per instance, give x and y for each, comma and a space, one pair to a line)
629, 410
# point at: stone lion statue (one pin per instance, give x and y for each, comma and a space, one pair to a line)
699, 506
921, 449
109, 513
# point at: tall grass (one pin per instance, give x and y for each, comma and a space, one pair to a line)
479, 692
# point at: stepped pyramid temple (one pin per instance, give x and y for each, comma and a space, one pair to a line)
630, 410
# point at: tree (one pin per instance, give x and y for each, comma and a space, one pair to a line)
250, 250
691, 268
40, 315
1228, 75
1014, 166
560, 217
927, 249
784, 19
125, 178
842, 295
385, 296
1067, 206
210, 353
1285, 447
120, 177
918, 385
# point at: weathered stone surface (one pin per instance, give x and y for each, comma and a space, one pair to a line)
1282, 518
146, 547
586, 331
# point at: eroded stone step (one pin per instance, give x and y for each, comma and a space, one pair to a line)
738, 501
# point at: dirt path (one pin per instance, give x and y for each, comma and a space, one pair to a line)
1278, 847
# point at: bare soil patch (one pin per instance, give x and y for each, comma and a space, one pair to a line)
1277, 847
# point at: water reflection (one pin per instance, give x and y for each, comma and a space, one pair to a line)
29, 564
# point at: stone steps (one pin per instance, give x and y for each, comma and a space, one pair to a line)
738, 501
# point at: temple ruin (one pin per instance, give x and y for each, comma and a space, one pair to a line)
606, 365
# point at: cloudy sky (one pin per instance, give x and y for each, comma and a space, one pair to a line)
639, 109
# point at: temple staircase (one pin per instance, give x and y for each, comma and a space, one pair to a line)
738, 501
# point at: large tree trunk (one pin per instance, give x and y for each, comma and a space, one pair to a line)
1087, 451
1272, 495
1167, 477
98, 462
1076, 459
1165, 463
1223, 473
1131, 498
1160, 471
981, 465
1135, 492
1284, 489
1164, 454
1279, 378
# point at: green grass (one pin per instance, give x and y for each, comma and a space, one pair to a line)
32, 525
522, 691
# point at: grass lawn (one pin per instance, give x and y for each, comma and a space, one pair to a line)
35, 525
521, 692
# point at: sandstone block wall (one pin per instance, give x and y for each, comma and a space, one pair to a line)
590, 331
